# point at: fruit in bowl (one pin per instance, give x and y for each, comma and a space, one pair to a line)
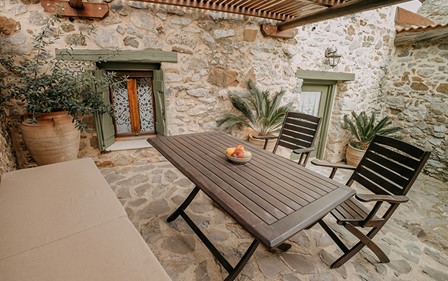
238, 154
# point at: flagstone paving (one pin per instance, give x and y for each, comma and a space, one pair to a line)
150, 188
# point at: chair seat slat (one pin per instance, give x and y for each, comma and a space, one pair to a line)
354, 212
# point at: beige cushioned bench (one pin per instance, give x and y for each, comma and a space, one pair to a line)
63, 222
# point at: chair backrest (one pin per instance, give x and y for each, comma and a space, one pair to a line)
298, 131
389, 166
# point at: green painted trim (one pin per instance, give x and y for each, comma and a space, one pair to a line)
327, 118
141, 56
120, 66
325, 75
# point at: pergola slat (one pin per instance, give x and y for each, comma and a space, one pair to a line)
293, 13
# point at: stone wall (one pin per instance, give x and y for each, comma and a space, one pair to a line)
435, 10
416, 88
218, 53
7, 159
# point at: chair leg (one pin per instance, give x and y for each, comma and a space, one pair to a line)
365, 240
334, 236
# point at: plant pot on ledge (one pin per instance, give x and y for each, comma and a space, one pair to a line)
260, 143
354, 155
53, 138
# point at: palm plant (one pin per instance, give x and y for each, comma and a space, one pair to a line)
258, 111
364, 128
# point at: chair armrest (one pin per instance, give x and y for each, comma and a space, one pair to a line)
265, 137
322, 163
303, 150
382, 198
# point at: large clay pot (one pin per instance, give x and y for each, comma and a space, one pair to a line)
260, 143
354, 155
54, 138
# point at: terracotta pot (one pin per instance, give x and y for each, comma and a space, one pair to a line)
260, 143
52, 139
354, 155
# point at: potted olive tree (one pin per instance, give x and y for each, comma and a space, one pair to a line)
55, 94
363, 129
259, 111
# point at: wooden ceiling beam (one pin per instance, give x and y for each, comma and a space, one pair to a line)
427, 35
352, 7
224, 6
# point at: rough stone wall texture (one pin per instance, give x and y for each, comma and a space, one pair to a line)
219, 53
435, 10
365, 42
416, 88
7, 159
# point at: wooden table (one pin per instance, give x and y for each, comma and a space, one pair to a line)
271, 197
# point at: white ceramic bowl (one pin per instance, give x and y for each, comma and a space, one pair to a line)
238, 160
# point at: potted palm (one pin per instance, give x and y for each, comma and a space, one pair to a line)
363, 129
259, 111
55, 95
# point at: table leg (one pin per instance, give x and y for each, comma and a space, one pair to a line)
184, 205
250, 251
284, 247
233, 271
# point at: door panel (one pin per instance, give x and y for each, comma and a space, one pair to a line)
122, 112
309, 102
317, 100
145, 102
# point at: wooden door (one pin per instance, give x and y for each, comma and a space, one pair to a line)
317, 100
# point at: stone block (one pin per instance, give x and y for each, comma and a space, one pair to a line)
130, 41
249, 35
419, 86
442, 88
222, 77
8, 25
28, 2
223, 33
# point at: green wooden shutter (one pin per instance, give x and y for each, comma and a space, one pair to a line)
105, 129
159, 97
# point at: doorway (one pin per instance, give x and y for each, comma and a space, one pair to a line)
317, 99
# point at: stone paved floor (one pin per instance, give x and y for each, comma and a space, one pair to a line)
150, 188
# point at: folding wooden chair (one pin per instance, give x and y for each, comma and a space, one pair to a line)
298, 133
388, 170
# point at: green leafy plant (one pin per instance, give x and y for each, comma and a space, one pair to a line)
44, 84
364, 128
258, 111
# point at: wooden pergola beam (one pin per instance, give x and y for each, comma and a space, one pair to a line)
347, 8
233, 7
428, 35
75, 8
